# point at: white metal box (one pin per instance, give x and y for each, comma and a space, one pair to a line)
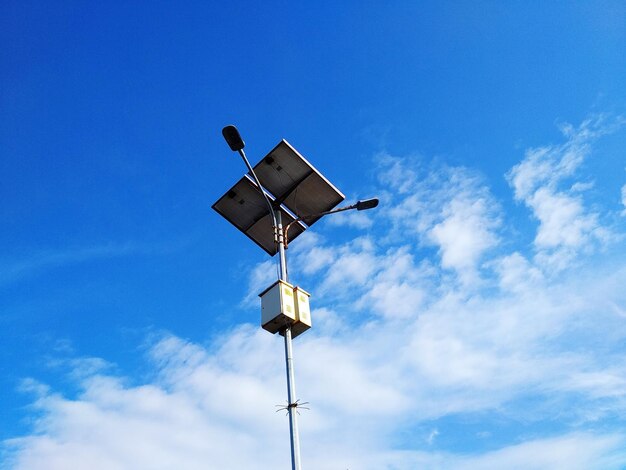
277, 306
303, 312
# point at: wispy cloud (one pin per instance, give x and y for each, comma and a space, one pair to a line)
449, 208
540, 181
32, 264
50, 259
40, 261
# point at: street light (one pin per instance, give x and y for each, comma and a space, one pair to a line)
366, 204
295, 192
233, 138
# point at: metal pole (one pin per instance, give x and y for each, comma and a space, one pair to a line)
291, 381
281, 246
293, 413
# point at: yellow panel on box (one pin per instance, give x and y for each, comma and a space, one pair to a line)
303, 312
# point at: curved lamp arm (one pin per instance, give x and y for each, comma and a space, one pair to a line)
359, 205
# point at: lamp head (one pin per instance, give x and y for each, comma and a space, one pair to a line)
233, 139
366, 204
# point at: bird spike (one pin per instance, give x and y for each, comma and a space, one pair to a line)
295, 405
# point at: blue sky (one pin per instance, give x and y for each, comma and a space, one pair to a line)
474, 320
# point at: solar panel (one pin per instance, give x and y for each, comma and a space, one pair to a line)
291, 183
244, 206
294, 182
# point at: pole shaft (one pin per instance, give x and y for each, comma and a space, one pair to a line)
291, 381
281, 247
293, 413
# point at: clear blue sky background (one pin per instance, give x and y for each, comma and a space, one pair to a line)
493, 133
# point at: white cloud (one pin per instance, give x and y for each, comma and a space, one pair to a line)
216, 404
464, 233
571, 452
216, 407
395, 348
624, 200
397, 290
449, 208
566, 225
351, 265
261, 276
431, 437
516, 273
395, 174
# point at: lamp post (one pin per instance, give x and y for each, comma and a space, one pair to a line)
242, 198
